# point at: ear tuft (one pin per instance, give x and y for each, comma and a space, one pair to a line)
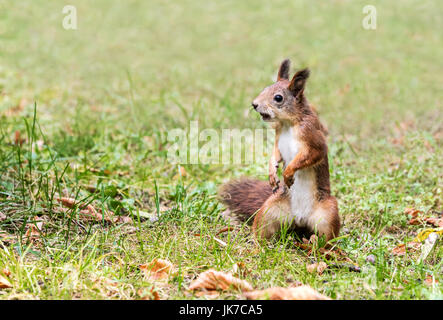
298, 82
283, 72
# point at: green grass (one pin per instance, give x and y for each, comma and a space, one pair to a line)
106, 95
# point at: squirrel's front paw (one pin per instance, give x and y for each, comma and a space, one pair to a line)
289, 178
274, 182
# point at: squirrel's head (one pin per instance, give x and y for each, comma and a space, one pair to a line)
283, 100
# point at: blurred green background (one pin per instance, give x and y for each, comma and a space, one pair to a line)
151, 61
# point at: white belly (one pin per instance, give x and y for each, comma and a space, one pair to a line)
302, 192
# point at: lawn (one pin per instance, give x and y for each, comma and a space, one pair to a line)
85, 114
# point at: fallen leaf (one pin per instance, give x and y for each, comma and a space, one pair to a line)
4, 283
317, 267
302, 246
225, 229
87, 212
240, 269
400, 250
17, 138
437, 222
430, 280
412, 212
158, 269
34, 229
151, 294
6, 272
279, 293
216, 280
2, 216
418, 220
415, 221
123, 219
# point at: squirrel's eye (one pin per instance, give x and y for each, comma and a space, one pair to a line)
278, 98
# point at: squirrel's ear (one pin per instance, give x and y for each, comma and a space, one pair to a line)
298, 82
283, 72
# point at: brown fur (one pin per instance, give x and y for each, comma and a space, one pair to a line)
244, 196
291, 109
265, 224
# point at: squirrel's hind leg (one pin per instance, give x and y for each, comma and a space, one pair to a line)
325, 219
272, 216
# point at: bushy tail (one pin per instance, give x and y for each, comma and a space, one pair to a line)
244, 197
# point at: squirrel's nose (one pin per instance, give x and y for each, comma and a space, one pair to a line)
255, 105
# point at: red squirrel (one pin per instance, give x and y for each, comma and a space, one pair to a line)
303, 202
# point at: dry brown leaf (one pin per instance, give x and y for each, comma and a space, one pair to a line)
216, 280
240, 269
303, 246
151, 294
412, 212
2, 216
400, 250
32, 234
34, 229
317, 267
225, 229
158, 269
4, 283
417, 220
87, 212
67, 202
279, 293
123, 219
6, 272
437, 222
429, 280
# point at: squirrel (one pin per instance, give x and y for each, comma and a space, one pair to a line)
303, 202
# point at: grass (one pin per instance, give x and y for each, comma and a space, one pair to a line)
94, 106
